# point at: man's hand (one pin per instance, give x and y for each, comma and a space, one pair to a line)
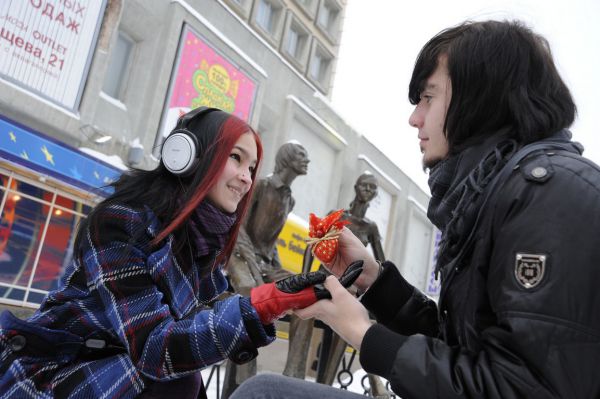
343, 313
350, 249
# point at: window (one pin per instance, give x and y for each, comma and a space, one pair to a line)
267, 17
264, 16
319, 65
319, 69
325, 16
37, 228
295, 44
118, 67
293, 38
328, 19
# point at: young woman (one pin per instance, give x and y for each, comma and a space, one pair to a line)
136, 313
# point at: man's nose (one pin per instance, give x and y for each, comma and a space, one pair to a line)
415, 119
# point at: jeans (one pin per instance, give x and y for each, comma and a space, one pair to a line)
275, 386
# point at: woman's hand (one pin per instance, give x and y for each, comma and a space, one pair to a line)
343, 313
351, 249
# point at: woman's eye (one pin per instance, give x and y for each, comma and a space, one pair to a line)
235, 156
252, 169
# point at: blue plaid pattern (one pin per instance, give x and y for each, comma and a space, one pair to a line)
135, 297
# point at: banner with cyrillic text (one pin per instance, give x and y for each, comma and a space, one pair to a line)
46, 46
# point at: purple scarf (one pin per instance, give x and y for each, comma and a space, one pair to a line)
211, 228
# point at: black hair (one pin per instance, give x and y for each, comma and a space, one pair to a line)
502, 76
172, 198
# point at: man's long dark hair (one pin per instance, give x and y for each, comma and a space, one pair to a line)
173, 199
502, 77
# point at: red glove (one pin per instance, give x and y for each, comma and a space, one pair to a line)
273, 300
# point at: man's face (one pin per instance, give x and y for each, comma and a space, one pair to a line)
299, 162
430, 113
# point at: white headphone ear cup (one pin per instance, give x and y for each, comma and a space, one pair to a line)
179, 153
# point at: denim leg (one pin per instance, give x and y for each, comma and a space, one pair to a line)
275, 386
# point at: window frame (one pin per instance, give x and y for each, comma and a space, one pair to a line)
53, 205
125, 71
300, 59
309, 9
273, 36
321, 51
332, 31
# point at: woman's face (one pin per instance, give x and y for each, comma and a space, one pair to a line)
236, 179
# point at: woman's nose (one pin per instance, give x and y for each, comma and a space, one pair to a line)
245, 176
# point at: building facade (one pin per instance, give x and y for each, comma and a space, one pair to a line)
91, 87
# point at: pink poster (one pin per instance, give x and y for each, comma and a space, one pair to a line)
204, 78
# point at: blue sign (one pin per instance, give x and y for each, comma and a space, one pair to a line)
48, 156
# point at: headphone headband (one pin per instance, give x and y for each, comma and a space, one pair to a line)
185, 119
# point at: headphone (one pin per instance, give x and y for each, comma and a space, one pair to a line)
181, 150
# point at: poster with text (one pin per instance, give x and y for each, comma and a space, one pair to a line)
203, 77
46, 46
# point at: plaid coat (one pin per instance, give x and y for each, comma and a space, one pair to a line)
125, 314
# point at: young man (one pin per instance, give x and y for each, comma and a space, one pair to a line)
519, 210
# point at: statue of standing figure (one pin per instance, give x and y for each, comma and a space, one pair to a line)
255, 259
366, 230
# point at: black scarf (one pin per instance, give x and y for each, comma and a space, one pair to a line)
457, 184
211, 228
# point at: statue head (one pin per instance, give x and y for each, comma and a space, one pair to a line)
365, 187
293, 156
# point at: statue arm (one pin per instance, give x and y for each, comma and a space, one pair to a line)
275, 258
256, 195
244, 247
307, 260
243, 268
375, 241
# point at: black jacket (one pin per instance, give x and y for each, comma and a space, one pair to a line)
492, 336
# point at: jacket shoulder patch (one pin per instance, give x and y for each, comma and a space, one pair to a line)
530, 269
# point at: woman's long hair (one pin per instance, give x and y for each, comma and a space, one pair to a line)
502, 76
173, 199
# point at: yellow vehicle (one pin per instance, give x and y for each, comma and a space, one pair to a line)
291, 244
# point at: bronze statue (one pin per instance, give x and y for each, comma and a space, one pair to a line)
332, 346
255, 258
365, 229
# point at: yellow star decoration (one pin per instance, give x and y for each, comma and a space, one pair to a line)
49, 157
13, 138
24, 155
